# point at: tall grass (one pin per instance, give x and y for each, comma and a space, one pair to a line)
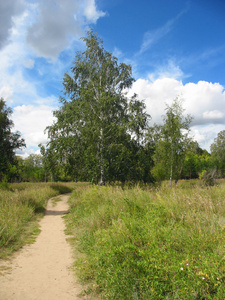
21, 205
151, 244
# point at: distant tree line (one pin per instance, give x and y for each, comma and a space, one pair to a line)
101, 135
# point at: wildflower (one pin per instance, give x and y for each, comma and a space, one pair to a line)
187, 264
203, 278
181, 269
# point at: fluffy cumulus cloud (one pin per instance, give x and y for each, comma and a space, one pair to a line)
90, 11
8, 9
31, 121
59, 23
205, 101
6, 93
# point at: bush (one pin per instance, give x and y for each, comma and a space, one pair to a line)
209, 177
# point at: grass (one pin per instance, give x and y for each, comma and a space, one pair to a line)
150, 244
55, 200
21, 206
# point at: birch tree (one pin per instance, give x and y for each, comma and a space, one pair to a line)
96, 117
173, 144
218, 152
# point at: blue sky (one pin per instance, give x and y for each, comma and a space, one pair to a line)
176, 48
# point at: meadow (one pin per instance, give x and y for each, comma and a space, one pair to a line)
150, 243
21, 207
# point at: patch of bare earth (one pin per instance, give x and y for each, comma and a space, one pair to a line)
42, 271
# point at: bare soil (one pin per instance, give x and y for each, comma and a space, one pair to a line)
42, 271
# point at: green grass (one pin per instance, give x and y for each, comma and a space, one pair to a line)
21, 206
151, 244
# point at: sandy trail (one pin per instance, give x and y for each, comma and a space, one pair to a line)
41, 271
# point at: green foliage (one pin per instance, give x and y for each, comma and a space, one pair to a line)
31, 169
218, 152
9, 142
98, 131
173, 143
209, 177
196, 163
21, 205
151, 244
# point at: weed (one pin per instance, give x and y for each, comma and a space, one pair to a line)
151, 244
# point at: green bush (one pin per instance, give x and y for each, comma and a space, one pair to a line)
143, 244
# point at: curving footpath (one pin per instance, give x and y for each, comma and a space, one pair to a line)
42, 271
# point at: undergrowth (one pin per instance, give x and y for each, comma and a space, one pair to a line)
150, 244
21, 206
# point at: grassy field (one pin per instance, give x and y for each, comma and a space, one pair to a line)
21, 206
164, 243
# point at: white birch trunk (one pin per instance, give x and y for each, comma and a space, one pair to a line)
171, 166
102, 170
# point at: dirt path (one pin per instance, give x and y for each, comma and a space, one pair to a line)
41, 271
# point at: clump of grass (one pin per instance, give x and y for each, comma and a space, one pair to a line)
21, 206
55, 200
151, 244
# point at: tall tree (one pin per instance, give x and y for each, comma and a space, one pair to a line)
9, 141
174, 142
96, 121
218, 152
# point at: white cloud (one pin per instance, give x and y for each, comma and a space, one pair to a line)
31, 121
213, 115
91, 12
25, 153
168, 70
152, 37
156, 94
202, 98
8, 10
205, 101
6, 93
14, 56
29, 63
206, 134
59, 23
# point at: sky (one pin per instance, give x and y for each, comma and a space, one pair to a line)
176, 49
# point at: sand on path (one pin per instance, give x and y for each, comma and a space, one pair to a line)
42, 271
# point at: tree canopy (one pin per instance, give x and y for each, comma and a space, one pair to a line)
98, 130
218, 152
100, 134
173, 143
9, 141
